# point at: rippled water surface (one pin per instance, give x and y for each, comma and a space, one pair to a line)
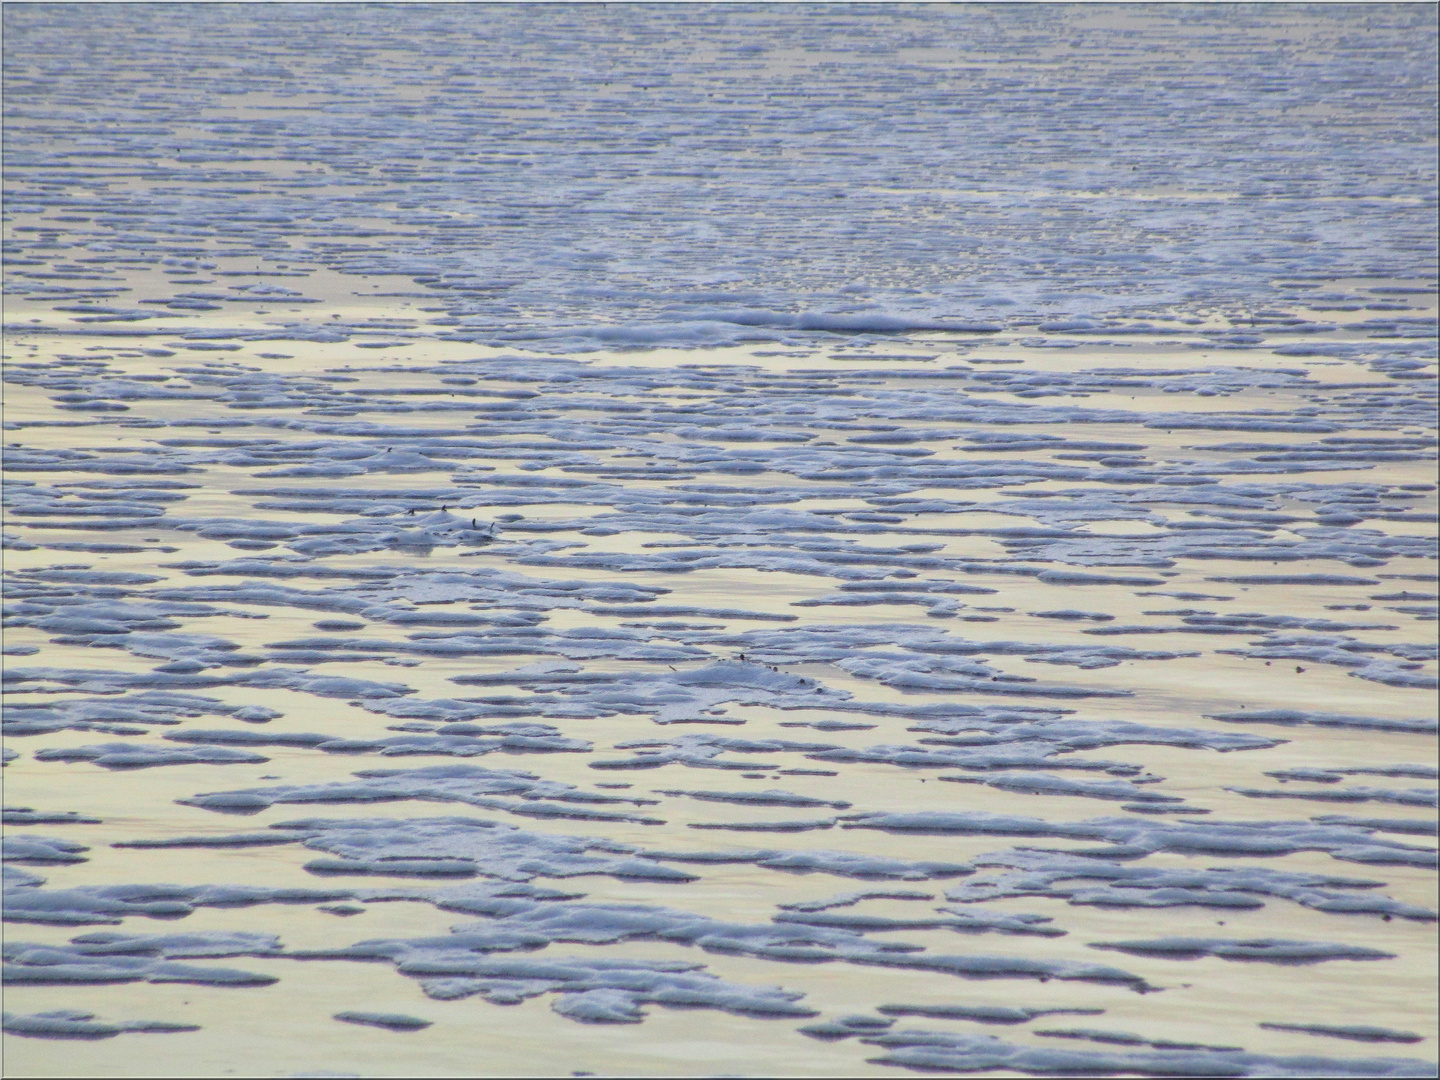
648, 540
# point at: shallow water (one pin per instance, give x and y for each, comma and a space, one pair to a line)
961, 546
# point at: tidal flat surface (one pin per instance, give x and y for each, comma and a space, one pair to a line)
720, 541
